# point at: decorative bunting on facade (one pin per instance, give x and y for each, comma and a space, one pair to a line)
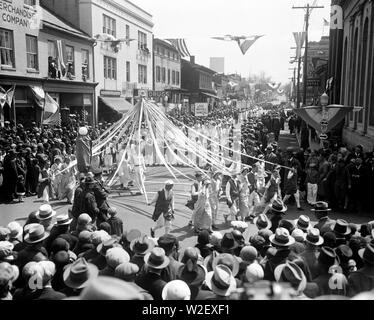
180, 45
6, 96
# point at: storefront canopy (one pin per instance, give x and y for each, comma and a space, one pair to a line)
121, 105
211, 95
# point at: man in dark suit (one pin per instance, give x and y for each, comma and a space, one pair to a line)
321, 210
150, 277
170, 244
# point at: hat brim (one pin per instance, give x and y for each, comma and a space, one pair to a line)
63, 224
93, 272
235, 268
37, 214
218, 291
198, 280
268, 226
161, 266
318, 243
349, 230
291, 240
284, 209
299, 227
27, 238
320, 210
151, 245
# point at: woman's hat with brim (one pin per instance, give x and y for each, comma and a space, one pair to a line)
156, 258
208, 261
221, 281
45, 212
36, 234
262, 221
79, 274
141, 245
228, 260
281, 238
292, 273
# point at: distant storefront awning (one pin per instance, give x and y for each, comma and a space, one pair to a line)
121, 105
211, 95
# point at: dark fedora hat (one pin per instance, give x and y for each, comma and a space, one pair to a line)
141, 245
341, 227
278, 207
78, 274
262, 222
157, 258
321, 206
327, 256
303, 222
367, 254
287, 225
36, 234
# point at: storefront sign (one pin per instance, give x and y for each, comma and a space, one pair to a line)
201, 109
157, 94
314, 82
18, 14
110, 93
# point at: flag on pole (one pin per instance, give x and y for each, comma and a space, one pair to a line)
39, 95
51, 111
245, 45
326, 23
60, 58
299, 39
180, 45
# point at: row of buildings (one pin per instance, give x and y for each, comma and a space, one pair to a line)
94, 57
346, 58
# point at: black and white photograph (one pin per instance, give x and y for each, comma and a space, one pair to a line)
212, 150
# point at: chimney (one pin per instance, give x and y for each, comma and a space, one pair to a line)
192, 59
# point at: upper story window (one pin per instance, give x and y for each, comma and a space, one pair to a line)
85, 64
128, 34
109, 25
168, 76
70, 60
110, 68
30, 2
158, 50
128, 71
32, 52
142, 73
177, 78
52, 51
7, 48
173, 77
163, 74
142, 41
158, 74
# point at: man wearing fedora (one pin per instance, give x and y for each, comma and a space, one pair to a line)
170, 244
363, 279
281, 241
164, 208
59, 228
45, 215
321, 210
221, 282
140, 247
34, 250
313, 242
277, 212
150, 278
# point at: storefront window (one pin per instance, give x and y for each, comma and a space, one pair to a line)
32, 52
7, 48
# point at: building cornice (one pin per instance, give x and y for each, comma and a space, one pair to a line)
125, 10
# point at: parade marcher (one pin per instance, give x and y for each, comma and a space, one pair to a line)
137, 164
202, 211
163, 214
232, 196
291, 185
214, 195
244, 195
45, 179
195, 189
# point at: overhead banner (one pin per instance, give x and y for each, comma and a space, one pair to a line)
201, 109
299, 39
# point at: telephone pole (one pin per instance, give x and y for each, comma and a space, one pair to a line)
308, 8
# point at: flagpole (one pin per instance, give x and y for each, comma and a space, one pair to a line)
42, 113
14, 108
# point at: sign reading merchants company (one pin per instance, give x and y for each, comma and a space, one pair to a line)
201, 109
17, 13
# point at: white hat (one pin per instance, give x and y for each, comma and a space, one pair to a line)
83, 131
254, 272
116, 256
169, 182
176, 290
215, 237
299, 235
15, 229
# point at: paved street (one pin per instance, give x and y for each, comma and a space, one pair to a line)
136, 214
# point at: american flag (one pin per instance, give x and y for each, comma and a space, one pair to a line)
180, 45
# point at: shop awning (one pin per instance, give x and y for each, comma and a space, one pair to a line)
121, 105
211, 95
